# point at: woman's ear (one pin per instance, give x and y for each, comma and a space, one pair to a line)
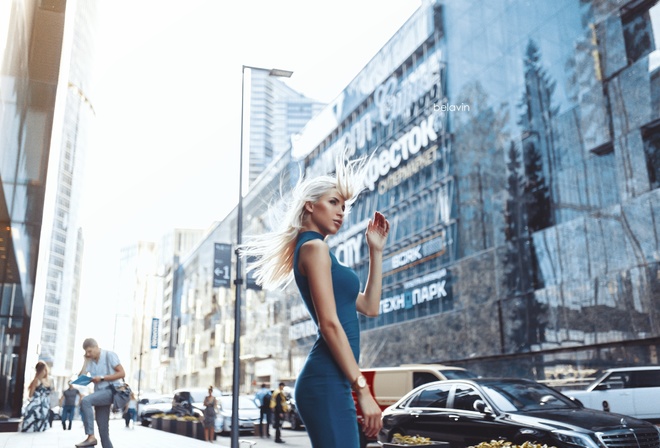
309, 207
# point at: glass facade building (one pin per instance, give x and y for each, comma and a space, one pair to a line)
64, 237
31, 36
276, 113
515, 152
514, 148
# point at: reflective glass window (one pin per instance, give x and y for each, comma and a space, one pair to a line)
464, 398
432, 397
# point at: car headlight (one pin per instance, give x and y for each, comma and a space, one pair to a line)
575, 439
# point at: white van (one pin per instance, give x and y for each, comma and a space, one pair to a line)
389, 384
633, 391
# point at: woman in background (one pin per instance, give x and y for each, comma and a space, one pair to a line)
35, 418
331, 293
210, 405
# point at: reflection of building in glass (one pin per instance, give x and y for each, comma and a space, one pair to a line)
276, 113
31, 46
516, 159
516, 153
66, 239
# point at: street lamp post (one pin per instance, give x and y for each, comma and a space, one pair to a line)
239, 274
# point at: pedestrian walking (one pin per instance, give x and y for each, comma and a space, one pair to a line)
105, 371
210, 406
130, 411
262, 398
68, 404
278, 406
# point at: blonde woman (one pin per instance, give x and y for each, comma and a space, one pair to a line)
331, 292
37, 410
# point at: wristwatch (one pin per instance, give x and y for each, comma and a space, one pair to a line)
102, 378
359, 383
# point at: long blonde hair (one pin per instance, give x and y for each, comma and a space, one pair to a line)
273, 251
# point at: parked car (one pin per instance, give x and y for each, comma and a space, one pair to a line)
633, 391
152, 405
182, 402
292, 416
389, 384
468, 412
248, 414
192, 400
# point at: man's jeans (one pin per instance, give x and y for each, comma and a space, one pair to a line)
67, 414
101, 401
264, 413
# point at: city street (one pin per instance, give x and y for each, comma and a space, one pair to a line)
144, 437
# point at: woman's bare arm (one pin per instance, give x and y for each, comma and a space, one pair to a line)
368, 302
315, 264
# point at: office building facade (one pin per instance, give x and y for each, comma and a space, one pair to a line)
514, 150
66, 239
30, 50
516, 156
276, 113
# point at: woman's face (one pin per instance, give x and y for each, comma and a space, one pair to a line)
327, 214
42, 371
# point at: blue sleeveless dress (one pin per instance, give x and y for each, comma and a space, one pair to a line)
323, 393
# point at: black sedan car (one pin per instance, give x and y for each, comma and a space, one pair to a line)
468, 412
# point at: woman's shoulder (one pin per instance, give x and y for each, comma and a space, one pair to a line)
314, 245
313, 250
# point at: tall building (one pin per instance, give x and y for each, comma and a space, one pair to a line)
145, 314
277, 112
66, 241
30, 53
515, 153
517, 157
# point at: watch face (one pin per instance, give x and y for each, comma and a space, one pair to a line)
361, 382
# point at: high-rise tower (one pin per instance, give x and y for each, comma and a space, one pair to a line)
276, 113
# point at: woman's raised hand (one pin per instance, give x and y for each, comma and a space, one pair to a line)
377, 231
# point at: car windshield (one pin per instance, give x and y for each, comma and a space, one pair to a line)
510, 396
198, 397
457, 374
243, 402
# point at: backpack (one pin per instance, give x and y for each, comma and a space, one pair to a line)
265, 401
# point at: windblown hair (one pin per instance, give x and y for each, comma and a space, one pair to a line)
273, 251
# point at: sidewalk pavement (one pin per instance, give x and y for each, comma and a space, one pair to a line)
143, 437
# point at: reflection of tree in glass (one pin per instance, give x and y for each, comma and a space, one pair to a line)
479, 140
537, 129
518, 270
525, 324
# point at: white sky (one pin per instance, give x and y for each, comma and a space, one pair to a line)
167, 96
